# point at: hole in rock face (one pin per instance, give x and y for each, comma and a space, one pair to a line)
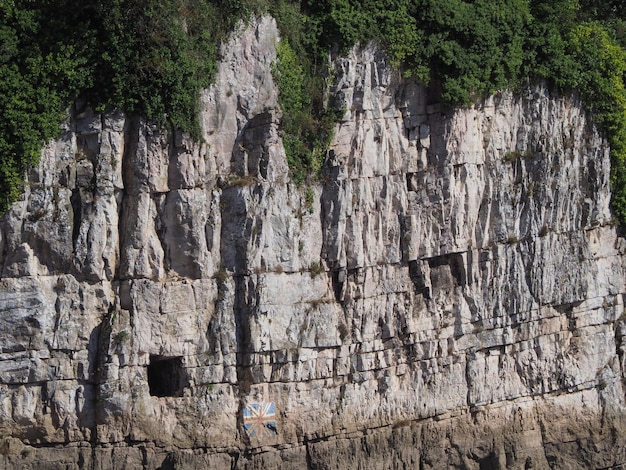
489, 463
166, 376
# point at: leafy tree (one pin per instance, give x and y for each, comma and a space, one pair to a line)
37, 78
147, 57
152, 57
155, 56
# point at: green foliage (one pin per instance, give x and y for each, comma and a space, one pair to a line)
221, 275
474, 48
599, 76
601, 9
290, 77
316, 269
152, 57
587, 55
36, 80
307, 122
469, 48
121, 337
148, 57
401, 37
303, 135
309, 199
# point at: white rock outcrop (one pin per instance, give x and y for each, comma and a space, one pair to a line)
452, 298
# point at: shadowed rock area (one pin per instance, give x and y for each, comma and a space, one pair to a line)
452, 298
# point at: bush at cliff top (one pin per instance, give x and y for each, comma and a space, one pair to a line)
37, 79
147, 57
588, 56
600, 72
152, 57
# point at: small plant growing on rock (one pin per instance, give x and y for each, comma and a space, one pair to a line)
309, 197
247, 180
121, 337
316, 269
221, 275
512, 155
60, 285
343, 331
512, 239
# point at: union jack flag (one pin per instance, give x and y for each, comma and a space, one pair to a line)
259, 419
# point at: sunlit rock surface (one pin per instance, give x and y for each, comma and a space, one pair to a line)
451, 298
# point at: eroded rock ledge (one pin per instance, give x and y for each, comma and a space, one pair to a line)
450, 298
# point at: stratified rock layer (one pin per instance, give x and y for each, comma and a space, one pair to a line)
448, 295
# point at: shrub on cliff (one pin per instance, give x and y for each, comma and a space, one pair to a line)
38, 76
469, 49
582, 47
148, 57
152, 57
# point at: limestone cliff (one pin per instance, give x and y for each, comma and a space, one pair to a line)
448, 296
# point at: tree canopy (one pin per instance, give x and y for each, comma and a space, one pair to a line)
152, 57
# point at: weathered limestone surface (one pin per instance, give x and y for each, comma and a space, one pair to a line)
452, 298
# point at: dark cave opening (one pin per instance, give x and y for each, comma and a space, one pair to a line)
167, 376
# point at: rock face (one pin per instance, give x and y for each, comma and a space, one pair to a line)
448, 296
